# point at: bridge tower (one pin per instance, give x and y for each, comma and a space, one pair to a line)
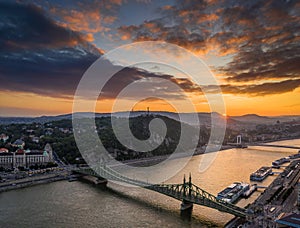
190, 186
186, 206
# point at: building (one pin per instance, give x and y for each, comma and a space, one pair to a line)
26, 158
19, 143
35, 139
3, 150
4, 137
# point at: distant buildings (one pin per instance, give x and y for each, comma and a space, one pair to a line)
19, 143
3, 150
25, 158
35, 139
4, 137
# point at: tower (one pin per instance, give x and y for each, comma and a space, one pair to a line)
48, 149
239, 140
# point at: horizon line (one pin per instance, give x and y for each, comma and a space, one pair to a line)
62, 114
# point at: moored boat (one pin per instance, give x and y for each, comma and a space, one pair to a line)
233, 192
280, 161
261, 174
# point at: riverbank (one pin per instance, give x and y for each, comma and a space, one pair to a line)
271, 196
48, 178
75, 204
157, 159
32, 181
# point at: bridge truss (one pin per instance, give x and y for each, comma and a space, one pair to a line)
186, 191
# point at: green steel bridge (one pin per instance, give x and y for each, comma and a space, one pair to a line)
186, 192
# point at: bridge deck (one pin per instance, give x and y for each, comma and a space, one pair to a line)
275, 145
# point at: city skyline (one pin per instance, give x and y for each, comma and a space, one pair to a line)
251, 47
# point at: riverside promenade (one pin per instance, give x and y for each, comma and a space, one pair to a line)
33, 180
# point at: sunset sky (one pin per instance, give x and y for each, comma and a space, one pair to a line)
252, 47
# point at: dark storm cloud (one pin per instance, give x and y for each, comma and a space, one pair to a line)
257, 89
272, 49
39, 56
161, 87
25, 27
42, 57
261, 36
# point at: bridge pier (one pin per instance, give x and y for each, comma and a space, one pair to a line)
186, 209
91, 177
101, 182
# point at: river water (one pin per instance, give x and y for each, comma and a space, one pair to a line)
77, 204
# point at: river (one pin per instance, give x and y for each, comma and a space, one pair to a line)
77, 204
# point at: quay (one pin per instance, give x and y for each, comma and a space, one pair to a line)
31, 181
278, 198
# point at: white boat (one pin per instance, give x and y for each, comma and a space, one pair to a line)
233, 192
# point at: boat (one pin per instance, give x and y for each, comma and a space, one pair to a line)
233, 192
294, 156
280, 161
249, 192
261, 174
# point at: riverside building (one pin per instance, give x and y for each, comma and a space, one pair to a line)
25, 158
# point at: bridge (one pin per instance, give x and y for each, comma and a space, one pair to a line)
274, 145
186, 192
241, 144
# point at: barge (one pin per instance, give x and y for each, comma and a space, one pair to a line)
261, 174
233, 192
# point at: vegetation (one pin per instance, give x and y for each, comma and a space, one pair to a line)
60, 135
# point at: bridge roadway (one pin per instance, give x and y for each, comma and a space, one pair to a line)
274, 145
263, 145
186, 192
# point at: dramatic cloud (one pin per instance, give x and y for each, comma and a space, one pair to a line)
45, 58
161, 85
89, 16
261, 37
47, 48
25, 27
38, 55
262, 89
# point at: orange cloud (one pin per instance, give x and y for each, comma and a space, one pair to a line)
208, 17
88, 18
89, 37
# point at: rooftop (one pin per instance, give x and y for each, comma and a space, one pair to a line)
3, 150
